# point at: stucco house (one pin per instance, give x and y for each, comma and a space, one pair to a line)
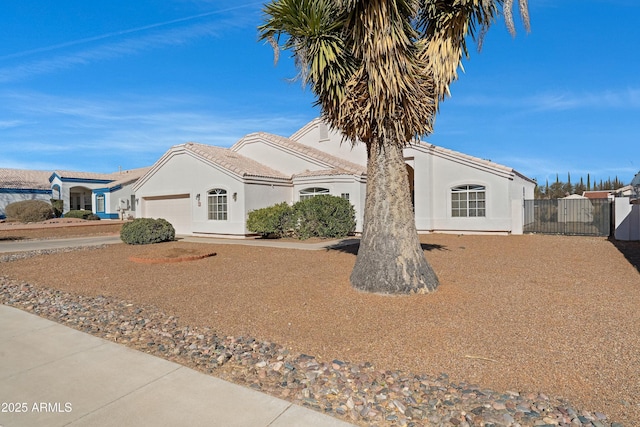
208, 190
107, 195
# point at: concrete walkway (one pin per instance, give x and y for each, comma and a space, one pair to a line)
52, 375
31, 245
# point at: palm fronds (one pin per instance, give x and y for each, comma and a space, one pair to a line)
379, 68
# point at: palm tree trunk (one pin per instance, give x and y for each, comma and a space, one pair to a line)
390, 259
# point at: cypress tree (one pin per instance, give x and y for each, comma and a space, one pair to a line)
546, 189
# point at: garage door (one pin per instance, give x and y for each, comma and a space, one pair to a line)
174, 208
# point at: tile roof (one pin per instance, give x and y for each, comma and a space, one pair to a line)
127, 176
84, 175
39, 180
233, 161
599, 194
313, 153
24, 179
324, 172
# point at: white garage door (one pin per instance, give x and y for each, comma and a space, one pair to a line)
175, 208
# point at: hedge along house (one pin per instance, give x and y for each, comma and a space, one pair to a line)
18, 184
203, 189
109, 196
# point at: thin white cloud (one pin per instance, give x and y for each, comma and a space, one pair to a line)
7, 124
609, 99
139, 39
553, 101
123, 32
108, 51
132, 131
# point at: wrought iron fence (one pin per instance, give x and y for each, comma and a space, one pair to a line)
581, 217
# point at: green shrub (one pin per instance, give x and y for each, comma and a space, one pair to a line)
142, 231
29, 211
93, 217
323, 216
58, 206
81, 214
273, 221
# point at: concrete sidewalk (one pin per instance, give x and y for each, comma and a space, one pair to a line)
35, 244
272, 243
31, 245
52, 375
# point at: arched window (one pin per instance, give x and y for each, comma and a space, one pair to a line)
468, 201
308, 193
217, 204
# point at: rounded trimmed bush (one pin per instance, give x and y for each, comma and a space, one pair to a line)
143, 231
324, 216
272, 222
29, 211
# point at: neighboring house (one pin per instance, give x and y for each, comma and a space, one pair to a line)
109, 196
17, 185
626, 191
635, 185
599, 194
204, 189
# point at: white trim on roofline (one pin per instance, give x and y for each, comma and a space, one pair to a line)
183, 149
467, 160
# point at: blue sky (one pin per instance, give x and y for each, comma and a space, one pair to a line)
97, 86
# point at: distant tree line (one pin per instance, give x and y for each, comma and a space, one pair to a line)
559, 189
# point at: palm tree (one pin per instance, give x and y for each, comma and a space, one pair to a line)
379, 68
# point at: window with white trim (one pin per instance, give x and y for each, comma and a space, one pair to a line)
468, 201
217, 204
308, 193
100, 203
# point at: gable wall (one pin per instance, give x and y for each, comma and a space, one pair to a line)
322, 138
436, 176
182, 173
276, 158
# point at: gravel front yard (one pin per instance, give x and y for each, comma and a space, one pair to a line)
551, 314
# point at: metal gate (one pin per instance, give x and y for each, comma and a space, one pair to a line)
578, 217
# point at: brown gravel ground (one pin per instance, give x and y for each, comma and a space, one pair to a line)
531, 313
57, 228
